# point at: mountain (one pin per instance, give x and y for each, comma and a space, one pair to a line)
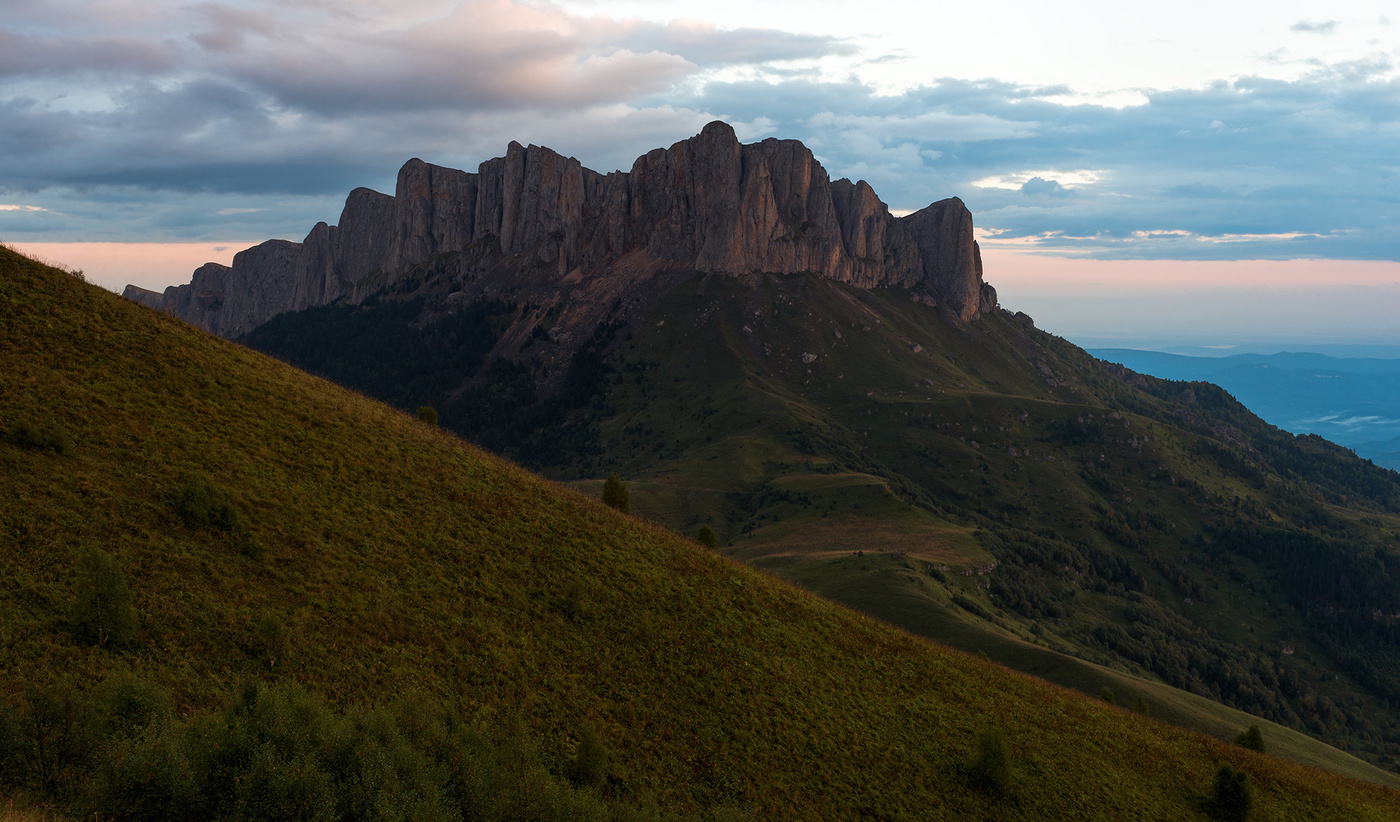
959, 473
1350, 401
233, 492
705, 204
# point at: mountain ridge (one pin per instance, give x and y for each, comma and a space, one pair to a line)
708, 203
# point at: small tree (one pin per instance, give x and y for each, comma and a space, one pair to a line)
1141, 706
272, 640
1251, 738
103, 613
1107, 695
590, 765
428, 414
706, 537
56, 735
1231, 796
991, 767
615, 494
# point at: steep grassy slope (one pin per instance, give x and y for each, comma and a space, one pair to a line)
402, 559
1132, 522
1153, 527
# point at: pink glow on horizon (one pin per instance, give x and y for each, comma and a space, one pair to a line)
149, 265
1318, 300
1023, 271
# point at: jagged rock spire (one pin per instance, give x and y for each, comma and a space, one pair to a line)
708, 203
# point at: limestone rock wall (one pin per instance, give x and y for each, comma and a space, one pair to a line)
708, 203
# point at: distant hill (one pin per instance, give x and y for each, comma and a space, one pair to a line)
1352, 401
399, 559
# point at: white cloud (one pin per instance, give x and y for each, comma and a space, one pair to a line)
937, 125
1309, 27
1068, 179
1254, 238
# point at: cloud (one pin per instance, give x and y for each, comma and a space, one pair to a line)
1041, 181
1323, 27
157, 120
49, 56
706, 44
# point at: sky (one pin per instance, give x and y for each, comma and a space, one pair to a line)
1220, 173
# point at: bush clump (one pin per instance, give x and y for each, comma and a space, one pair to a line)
615, 494
428, 414
202, 505
990, 768
1231, 795
590, 765
706, 537
103, 613
1251, 738
278, 752
271, 640
27, 435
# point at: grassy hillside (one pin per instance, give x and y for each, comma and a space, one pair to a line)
1132, 522
400, 560
1153, 527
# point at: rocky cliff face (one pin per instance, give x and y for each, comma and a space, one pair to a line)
708, 203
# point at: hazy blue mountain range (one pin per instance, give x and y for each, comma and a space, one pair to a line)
1351, 401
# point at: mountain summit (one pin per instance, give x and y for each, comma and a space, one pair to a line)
708, 204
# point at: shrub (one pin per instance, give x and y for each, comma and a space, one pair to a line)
201, 504
573, 604
1141, 707
103, 613
706, 537
278, 752
1251, 738
127, 706
56, 737
271, 640
428, 414
990, 768
11, 750
615, 494
1231, 796
1107, 695
27, 435
590, 765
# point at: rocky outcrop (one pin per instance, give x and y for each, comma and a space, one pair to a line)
708, 203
